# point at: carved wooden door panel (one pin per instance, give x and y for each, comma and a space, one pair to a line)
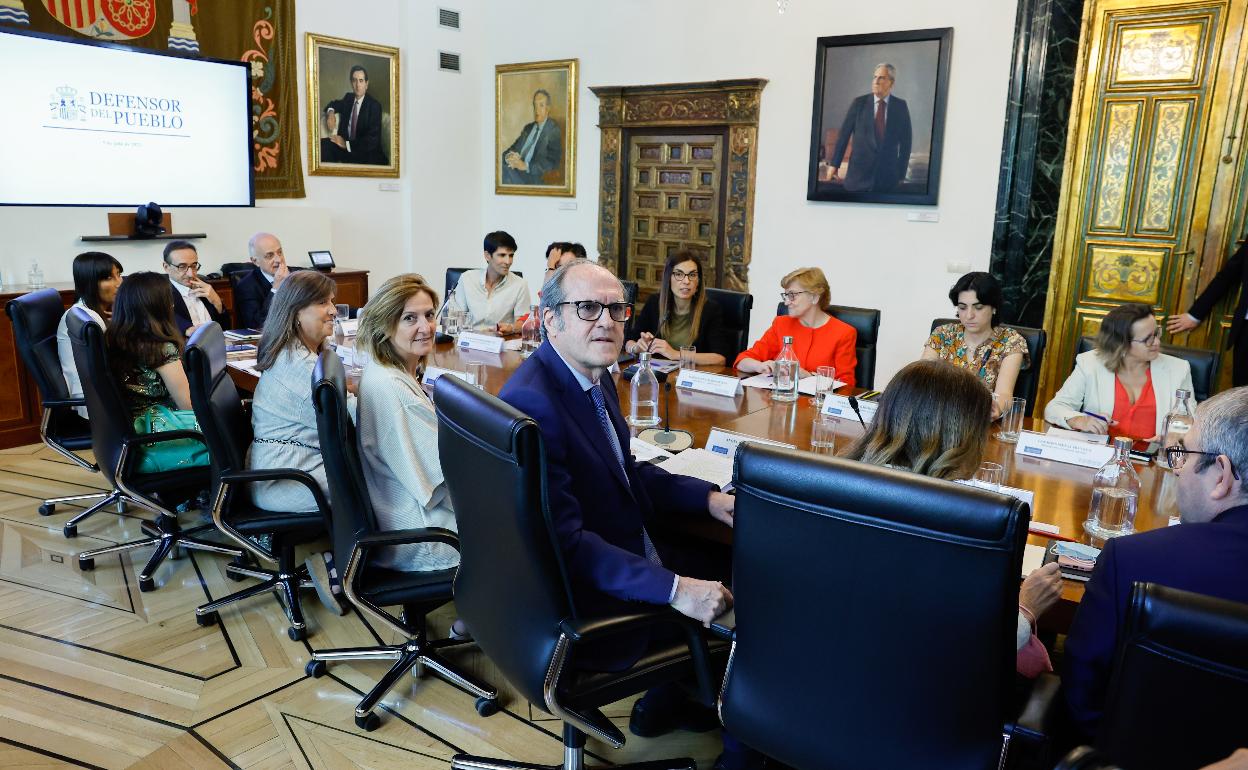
673, 203
1138, 206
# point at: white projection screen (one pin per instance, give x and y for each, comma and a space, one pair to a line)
103, 125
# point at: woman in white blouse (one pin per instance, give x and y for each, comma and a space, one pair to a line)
283, 420
398, 427
96, 278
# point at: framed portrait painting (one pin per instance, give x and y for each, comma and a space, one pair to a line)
353, 107
878, 119
535, 128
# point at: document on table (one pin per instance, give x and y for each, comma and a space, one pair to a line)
247, 365
805, 385
644, 450
701, 464
1091, 438
1033, 558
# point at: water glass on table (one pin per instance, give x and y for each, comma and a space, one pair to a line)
825, 381
476, 374
823, 435
342, 312
353, 376
1012, 412
687, 357
990, 476
451, 323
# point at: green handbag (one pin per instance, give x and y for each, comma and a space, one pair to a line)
169, 455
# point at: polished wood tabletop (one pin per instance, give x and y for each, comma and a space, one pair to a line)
1062, 491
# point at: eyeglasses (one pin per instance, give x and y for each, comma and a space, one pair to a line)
591, 310
183, 268
789, 296
1150, 339
1176, 456
680, 275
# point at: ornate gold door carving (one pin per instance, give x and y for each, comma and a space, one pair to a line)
674, 202
1144, 195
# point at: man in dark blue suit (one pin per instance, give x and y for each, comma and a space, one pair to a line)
538, 149
601, 501
253, 294
879, 123
1207, 553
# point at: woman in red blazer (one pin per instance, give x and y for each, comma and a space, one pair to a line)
818, 338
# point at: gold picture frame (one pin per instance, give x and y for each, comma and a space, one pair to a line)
374, 151
528, 164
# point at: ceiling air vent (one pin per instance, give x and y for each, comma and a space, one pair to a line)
448, 62
448, 18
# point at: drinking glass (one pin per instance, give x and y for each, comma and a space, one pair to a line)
450, 323
353, 376
825, 381
343, 311
687, 360
989, 476
823, 435
1012, 420
476, 373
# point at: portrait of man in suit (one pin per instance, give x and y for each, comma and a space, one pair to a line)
535, 128
538, 148
879, 123
354, 124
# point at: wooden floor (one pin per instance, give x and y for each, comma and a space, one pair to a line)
94, 673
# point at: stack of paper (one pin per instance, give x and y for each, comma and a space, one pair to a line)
701, 464
805, 385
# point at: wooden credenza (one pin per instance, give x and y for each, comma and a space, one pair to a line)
20, 409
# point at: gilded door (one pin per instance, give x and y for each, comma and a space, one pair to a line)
674, 204
1144, 195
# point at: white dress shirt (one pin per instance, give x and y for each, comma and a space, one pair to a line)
194, 305
507, 301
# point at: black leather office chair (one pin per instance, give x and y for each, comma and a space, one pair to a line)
1185, 656
371, 587
509, 550
1204, 365
736, 308
35, 318
228, 269
1028, 381
116, 446
453, 275
866, 321
843, 657
226, 426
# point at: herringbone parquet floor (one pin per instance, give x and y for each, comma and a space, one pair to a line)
94, 673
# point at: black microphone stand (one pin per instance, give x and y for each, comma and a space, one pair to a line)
672, 440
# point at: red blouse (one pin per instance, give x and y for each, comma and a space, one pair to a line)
833, 344
1138, 420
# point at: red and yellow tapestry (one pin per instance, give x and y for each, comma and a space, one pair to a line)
260, 32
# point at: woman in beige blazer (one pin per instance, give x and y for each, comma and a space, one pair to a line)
1110, 382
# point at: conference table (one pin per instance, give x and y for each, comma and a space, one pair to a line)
1061, 491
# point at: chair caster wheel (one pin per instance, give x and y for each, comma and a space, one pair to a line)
86, 565
147, 584
297, 634
70, 530
368, 723
315, 669
487, 707
47, 509
208, 619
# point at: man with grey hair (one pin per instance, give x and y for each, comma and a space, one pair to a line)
602, 502
1207, 553
879, 123
254, 292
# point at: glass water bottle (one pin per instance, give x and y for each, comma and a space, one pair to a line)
1179, 420
1115, 493
785, 373
644, 391
530, 333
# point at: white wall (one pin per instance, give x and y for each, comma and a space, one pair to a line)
431, 222
872, 255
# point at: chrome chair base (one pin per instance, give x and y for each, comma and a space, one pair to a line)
284, 582
165, 534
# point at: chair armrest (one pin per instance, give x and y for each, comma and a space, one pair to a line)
725, 626
408, 536
588, 629
281, 474
55, 402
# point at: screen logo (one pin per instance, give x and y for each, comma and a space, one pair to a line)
66, 106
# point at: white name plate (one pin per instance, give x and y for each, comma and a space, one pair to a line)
486, 342
1062, 450
725, 442
838, 406
432, 373
719, 384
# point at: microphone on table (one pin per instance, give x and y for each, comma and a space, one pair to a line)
671, 440
853, 404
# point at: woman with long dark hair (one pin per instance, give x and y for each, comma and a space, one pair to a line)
679, 316
96, 278
145, 355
